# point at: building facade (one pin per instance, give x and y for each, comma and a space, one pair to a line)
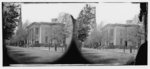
45, 33
120, 35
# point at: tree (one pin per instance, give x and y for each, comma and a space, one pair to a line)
142, 52
10, 18
67, 30
136, 35
94, 39
25, 24
85, 22
21, 35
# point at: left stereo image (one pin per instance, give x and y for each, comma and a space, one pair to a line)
35, 33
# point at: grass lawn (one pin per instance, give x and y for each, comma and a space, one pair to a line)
108, 56
34, 54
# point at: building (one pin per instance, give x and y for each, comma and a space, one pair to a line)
45, 32
54, 20
58, 30
120, 35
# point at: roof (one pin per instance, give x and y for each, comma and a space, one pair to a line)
44, 23
121, 25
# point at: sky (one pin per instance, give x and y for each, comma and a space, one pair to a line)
45, 12
116, 12
105, 12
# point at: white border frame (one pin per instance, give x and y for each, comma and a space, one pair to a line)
72, 66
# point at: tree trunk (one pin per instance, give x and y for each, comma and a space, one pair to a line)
139, 43
130, 49
82, 45
55, 47
49, 47
65, 45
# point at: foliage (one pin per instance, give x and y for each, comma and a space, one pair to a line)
136, 35
10, 18
68, 21
94, 39
84, 21
67, 30
21, 35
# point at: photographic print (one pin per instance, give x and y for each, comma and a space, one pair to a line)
75, 33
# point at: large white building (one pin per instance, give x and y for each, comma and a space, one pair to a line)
50, 32
44, 32
121, 35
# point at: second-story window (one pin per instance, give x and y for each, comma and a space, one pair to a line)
37, 30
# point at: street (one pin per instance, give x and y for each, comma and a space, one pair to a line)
34, 54
108, 56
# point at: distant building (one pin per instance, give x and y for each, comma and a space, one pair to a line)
48, 32
135, 20
44, 32
120, 35
54, 20
129, 21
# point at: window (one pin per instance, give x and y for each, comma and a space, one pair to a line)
36, 30
112, 32
46, 39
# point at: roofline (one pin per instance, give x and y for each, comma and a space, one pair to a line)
121, 25
44, 23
